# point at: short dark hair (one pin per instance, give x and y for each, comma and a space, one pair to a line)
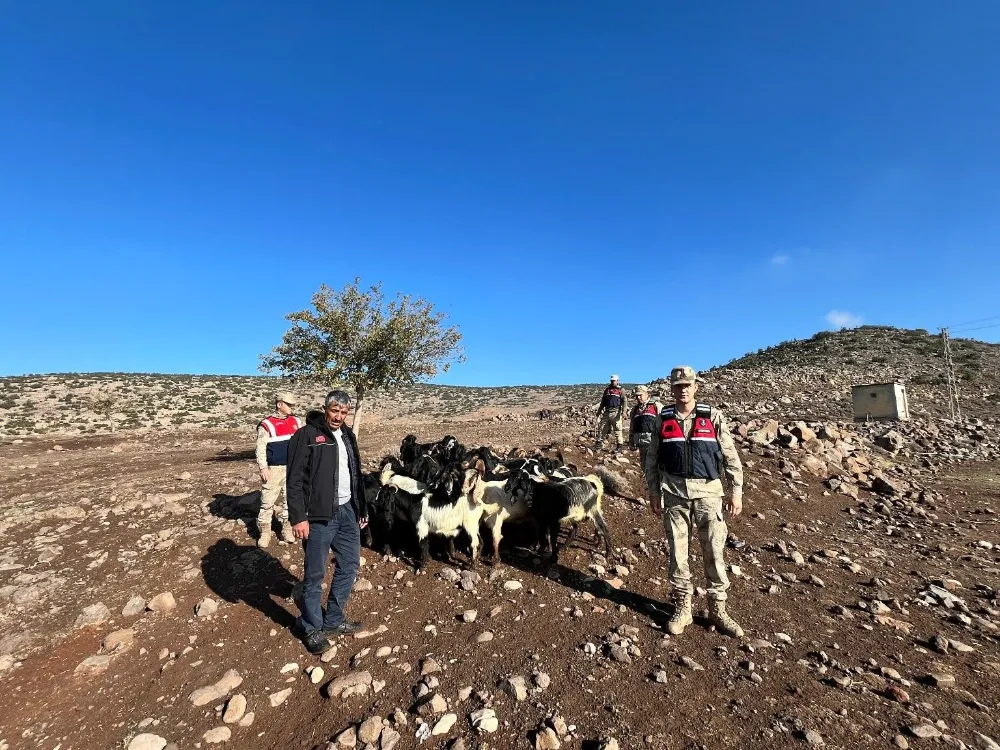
337, 397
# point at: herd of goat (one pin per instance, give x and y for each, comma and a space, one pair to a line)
443, 488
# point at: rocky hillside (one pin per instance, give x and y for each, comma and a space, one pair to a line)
68, 403
812, 378
809, 379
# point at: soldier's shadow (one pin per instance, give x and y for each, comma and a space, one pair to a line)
245, 573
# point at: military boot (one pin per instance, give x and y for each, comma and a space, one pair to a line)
682, 614
264, 539
287, 535
723, 622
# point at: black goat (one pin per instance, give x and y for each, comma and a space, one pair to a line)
553, 500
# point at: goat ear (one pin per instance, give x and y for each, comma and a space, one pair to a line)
480, 467
470, 481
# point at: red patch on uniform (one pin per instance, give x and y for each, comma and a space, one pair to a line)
320, 438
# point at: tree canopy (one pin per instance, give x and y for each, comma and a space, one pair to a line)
356, 338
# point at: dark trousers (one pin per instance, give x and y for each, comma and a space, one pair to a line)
343, 535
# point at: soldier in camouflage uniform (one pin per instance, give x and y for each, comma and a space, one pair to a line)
642, 422
691, 449
273, 434
610, 413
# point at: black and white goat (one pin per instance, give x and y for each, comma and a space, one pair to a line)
551, 500
446, 450
444, 506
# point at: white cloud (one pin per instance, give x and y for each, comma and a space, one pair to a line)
843, 319
780, 260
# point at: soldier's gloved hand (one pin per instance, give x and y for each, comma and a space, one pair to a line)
735, 504
265, 475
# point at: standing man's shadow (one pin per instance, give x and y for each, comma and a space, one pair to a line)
246, 573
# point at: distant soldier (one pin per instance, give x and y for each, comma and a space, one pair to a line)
610, 413
691, 449
273, 434
642, 423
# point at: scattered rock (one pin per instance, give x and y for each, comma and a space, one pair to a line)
429, 666
941, 679
484, 720
370, 729
814, 738
276, 699
135, 606
690, 663
353, 683
515, 687
217, 735
162, 603
546, 739
118, 641
207, 606
95, 614
92, 665
147, 742
924, 731
346, 739
236, 708
444, 724
211, 693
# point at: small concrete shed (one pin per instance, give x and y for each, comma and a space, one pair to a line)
880, 401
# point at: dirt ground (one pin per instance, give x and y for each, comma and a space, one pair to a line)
838, 649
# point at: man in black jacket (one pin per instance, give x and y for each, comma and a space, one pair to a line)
326, 507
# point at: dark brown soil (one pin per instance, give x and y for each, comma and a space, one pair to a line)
44, 705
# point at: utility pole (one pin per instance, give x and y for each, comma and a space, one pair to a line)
953, 405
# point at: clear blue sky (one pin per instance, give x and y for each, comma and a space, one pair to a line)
584, 187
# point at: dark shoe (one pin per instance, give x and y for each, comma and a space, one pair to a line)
316, 642
345, 628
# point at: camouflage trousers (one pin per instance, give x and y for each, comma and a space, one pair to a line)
610, 423
681, 519
273, 500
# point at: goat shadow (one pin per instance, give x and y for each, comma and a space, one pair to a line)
531, 563
248, 574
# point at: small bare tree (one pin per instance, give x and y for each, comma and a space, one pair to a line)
355, 337
104, 401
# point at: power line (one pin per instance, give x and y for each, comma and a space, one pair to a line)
977, 328
970, 322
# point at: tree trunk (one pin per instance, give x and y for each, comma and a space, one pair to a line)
358, 406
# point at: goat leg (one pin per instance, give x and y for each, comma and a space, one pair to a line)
425, 552
554, 539
572, 534
602, 528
